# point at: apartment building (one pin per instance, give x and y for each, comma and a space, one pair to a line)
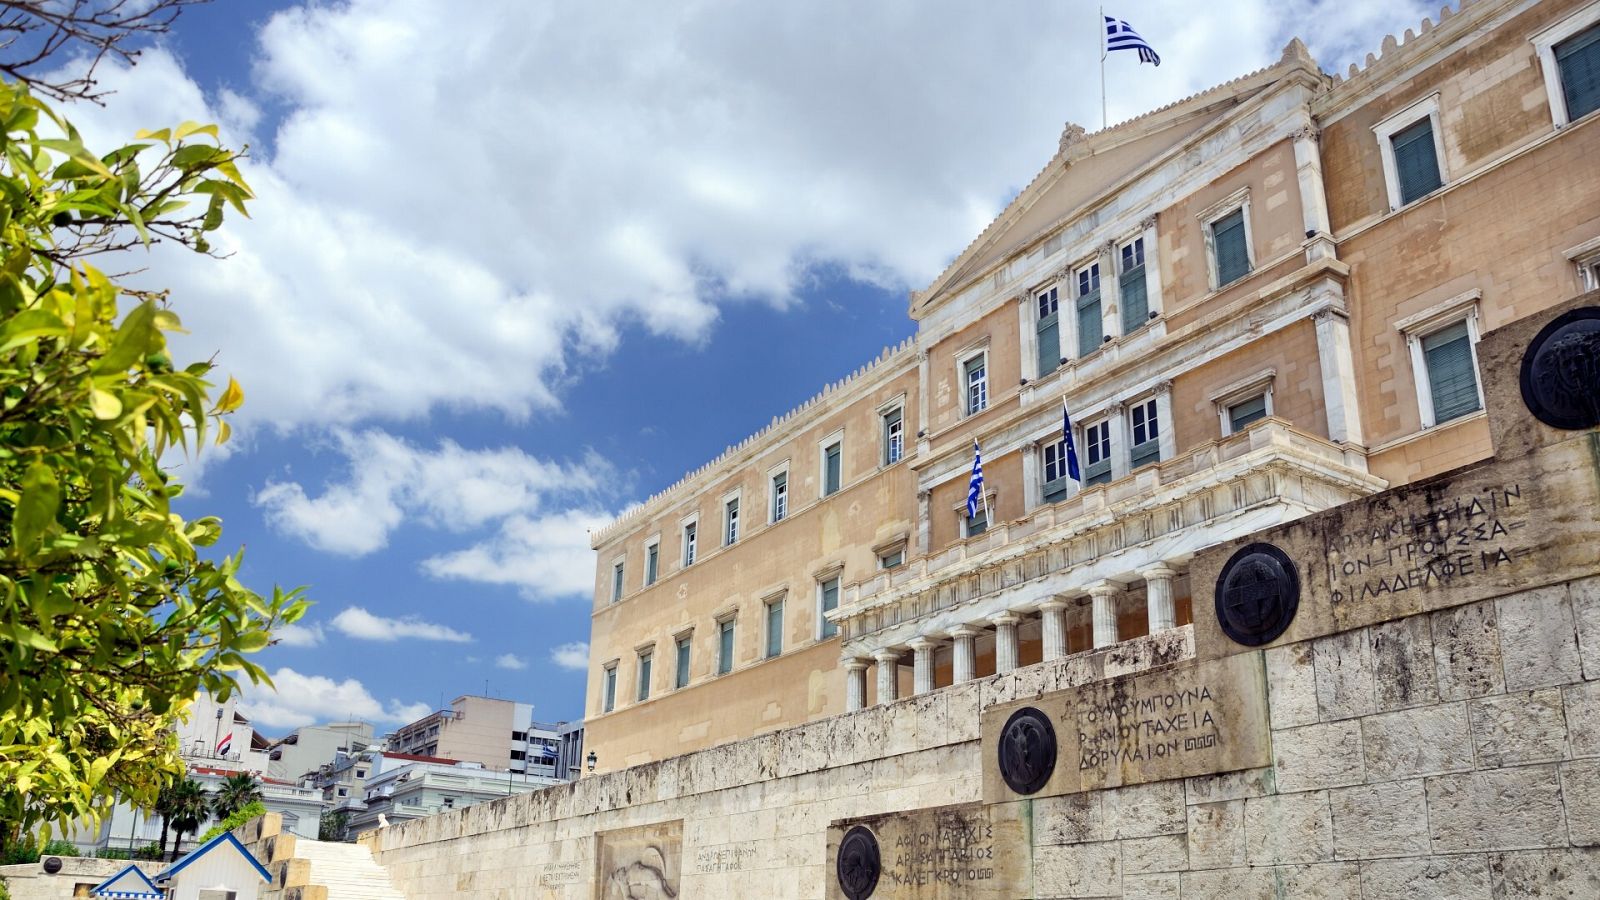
499, 734
1256, 303
400, 787
308, 748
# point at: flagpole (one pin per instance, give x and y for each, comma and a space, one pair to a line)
1100, 23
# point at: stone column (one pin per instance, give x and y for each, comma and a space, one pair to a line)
1105, 613
1337, 363
888, 675
855, 683
964, 655
1158, 597
1052, 614
1005, 641
922, 665
1313, 198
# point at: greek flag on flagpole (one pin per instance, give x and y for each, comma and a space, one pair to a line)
975, 487
1073, 471
1121, 36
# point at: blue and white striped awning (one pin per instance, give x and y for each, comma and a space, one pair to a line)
128, 895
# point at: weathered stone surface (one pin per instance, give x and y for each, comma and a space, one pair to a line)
948, 852
1288, 828
1229, 786
1514, 430
1077, 870
1345, 676
1402, 656
1216, 835
1466, 651
1582, 703
1464, 877
1572, 874
1580, 787
1176, 722
1292, 685
1585, 594
1377, 820
1069, 819
1319, 756
1151, 887
1163, 853
1426, 740
1323, 881
1230, 884
1144, 809
1499, 809
648, 857
1538, 639
1519, 728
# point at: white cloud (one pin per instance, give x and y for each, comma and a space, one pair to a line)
571, 656
308, 699
546, 558
510, 661
454, 207
298, 635
358, 623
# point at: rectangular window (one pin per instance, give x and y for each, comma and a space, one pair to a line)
832, 474
780, 496
519, 735
1097, 453
975, 375
1135, 299
1416, 161
829, 601
730, 522
1146, 432
1055, 471
519, 754
689, 543
1230, 248
1578, 58
976, 525
1048, 329
725, 647
1242, 414
1091, 329
894, 559
1452, 379
651, 563
609, 702
616, 582
894, 436
774, 628
645, 659
685, 646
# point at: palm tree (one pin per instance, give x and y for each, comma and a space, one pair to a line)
190, 805
234, 793
163, 809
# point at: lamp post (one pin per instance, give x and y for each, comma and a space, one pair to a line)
591, 760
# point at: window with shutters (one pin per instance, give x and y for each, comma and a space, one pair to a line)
685, 645
1135, 297
1097, 453
1054, 459
975, 382
690, 540
652, 562
893, 559
780, 495
1145, 429
609, 699
730, 521
978, 524
645, 659
832, 467
774, 628
616, 582
1450, 366
1229, 237
894, 436
1569, 55
1047, 330
1241, 414
827, 601
725, 647
1409, 142
1091, 328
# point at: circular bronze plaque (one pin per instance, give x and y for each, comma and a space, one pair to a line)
1257, 594
52, 864
858, 865
1027, 750
1561, 371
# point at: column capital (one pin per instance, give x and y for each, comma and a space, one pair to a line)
964, 631
922, 642
1159, 570
1053, 604
1147, 223
1104, 588
856, 663
886, 655
1006, 618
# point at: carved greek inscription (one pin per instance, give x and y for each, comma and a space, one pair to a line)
561, 873
1140, 728
1453, 542
727, 858
956, 851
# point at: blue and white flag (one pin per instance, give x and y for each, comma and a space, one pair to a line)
975, 487
1121, 36
1072, 450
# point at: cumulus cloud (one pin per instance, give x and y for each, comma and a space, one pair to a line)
545, 558
357, 623
309, 699
510, 661
573, 656
298, 635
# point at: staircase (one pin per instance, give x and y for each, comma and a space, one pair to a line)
346, 870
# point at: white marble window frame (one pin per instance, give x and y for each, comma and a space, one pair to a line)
1462, 307
1426, 108
1544, 45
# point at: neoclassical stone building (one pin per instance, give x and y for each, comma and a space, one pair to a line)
1257, 303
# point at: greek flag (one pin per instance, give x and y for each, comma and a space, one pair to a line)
1073, 471
975, 487
1121, 36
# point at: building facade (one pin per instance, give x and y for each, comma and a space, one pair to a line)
306, 749
400, 787
1257, 303
499, 734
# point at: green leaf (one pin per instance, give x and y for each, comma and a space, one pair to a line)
189, 128
104, 404
232, 398
36, 510
134, 340
30, 325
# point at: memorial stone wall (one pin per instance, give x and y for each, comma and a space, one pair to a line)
1397, 698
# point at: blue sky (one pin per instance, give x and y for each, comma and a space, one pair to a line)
511, 271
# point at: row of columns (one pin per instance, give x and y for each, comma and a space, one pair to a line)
1160, 610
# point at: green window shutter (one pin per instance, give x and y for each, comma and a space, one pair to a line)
1146, 453
1415, 162
1451, 379
683, 662
1228, 240
831, 476
1055, 490
725, 648
1242, 414
774, 629
1135, 300
1578, 58
1091, 330
611, 690
1049, 343
644, 677
651, 555
830, 602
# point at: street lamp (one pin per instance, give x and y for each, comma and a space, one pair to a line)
591, 760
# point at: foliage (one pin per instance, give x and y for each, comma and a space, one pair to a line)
334, 826
233, 820
111, 621
23, 853
148, 851
35, 31
236, 791
188, 806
